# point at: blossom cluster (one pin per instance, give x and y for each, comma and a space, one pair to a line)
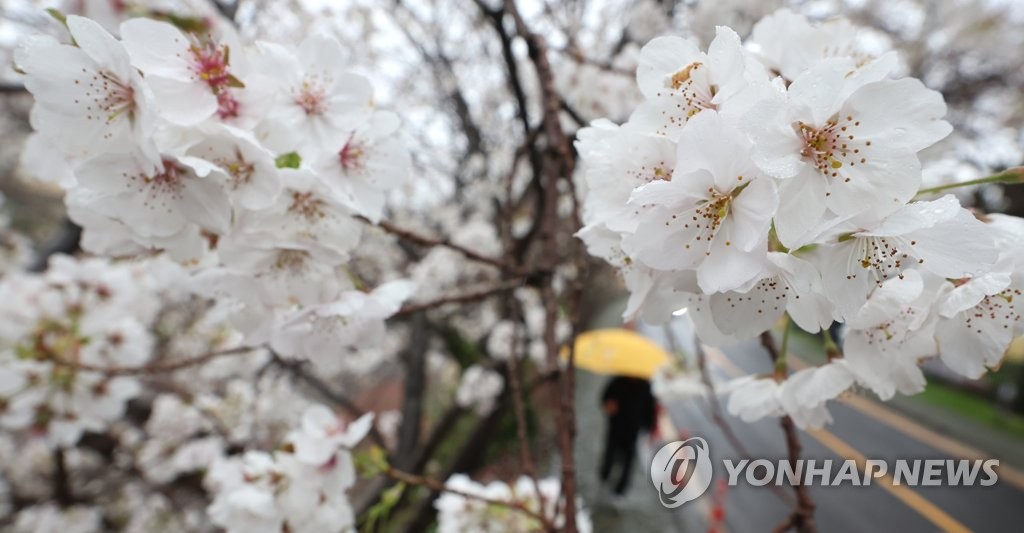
60, 330
300, 488
479, 389
249, 163
781, 176
241, 174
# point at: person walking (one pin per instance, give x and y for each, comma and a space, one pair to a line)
630, 408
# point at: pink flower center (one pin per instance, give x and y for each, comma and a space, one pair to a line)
820, 146
306, 205
693, 86
210, 62
833, 145
157, 189
312, 98
293, 261
239, 168
107, 97
351, 155
168, 178
329, 465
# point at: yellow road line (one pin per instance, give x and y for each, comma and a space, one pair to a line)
918, 432
911, 499
902, 493
890, 418
670, 433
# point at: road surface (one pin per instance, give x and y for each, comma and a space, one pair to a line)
862, 428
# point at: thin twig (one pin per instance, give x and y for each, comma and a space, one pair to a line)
466, 297
519, 409
173, 366
560, 166
715, 409
496, 17
61, 480
802, 517
423, 240
298, 371
437, 486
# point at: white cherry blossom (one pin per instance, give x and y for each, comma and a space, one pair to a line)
791, 285
362, 165
981, 315
478, 389
352, 320
679, 81
322, 433
191, 76
938, 236
888, 335
712, 216
458, 513
802, 396
789, 44
157, 203
233, 156
316, 100
619, 159
848, 144
88, 98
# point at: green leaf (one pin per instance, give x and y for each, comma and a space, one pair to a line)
289, 160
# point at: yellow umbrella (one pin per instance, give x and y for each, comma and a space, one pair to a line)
619, 352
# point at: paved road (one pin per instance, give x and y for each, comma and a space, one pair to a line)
862, 428
640, 512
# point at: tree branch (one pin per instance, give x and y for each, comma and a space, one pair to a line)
559, 165
466, 297
154, 368
414, 363
802, 517
297, 370
715, 409
423, 240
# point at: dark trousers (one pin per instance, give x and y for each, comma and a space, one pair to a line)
619, 449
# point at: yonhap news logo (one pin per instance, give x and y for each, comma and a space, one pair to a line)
682, 470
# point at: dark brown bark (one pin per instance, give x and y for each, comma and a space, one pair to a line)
802, 517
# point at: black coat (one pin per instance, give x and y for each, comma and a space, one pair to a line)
636, 408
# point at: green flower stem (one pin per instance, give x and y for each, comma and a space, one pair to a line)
781, 368
1010, 175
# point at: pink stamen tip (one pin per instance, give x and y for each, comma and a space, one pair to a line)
227, 105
